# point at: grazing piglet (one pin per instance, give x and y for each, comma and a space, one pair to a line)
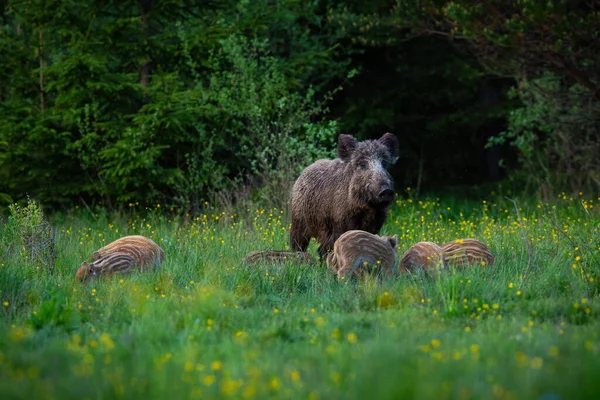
278, 257
424, 255
352, 192
116, 262
131, 252
359, 252
143, 250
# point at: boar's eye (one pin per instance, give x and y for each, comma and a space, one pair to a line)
362, 164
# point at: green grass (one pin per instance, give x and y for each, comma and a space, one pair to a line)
205, 326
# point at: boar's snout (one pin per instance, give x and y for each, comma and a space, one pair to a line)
386, 195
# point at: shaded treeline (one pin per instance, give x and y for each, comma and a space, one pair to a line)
178, 102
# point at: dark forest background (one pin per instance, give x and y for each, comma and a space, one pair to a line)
181, 102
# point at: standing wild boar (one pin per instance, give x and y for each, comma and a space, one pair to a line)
352, 192
359, 252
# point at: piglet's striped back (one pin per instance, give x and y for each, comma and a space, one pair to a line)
143, 250
465, 252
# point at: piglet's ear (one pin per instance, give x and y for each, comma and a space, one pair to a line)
391, 143
393, 241
81, 273
346, 145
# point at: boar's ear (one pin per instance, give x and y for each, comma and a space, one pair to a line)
391, 143
346, 145
393, 241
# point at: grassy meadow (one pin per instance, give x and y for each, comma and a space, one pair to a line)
205, 326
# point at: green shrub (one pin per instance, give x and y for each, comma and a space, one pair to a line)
28, 227
556, 132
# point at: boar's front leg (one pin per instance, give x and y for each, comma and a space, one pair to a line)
299, 239
323, 252
326, 241
379, 218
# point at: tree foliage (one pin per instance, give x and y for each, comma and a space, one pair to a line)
557, 133
551, 49
177, 102
524, 37
155, 101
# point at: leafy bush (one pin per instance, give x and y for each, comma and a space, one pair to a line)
274, 129
29, 227
243, 123
4, 198
556, 131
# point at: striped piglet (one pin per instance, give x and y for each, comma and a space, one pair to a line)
122, 256
144, 250
359, 253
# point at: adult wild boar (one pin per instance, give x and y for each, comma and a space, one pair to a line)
352, 192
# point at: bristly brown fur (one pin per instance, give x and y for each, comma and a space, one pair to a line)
352, 192
278, 257
358, 253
